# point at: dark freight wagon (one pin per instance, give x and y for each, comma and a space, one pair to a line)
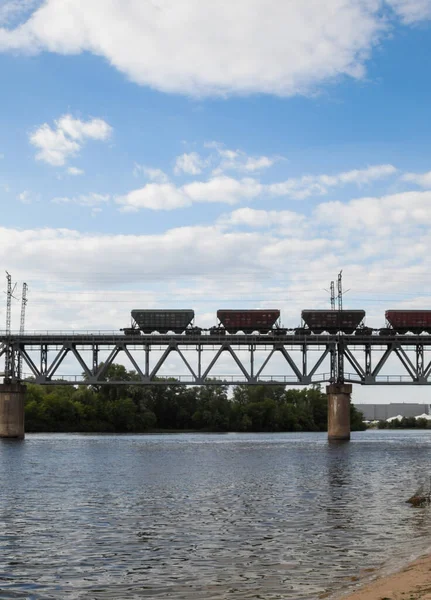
332, 321
163, 321
248, 321
413, 321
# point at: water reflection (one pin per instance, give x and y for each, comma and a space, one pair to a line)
339, 507
204, 516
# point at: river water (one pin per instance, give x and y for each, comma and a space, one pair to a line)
197, 516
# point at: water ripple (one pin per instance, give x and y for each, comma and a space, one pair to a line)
280, 516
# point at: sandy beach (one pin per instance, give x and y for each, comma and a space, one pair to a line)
413, 582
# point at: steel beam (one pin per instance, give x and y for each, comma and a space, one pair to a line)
413, 353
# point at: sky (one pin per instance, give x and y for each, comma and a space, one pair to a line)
206, 155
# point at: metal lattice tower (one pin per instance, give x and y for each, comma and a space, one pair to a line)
340, 291
8, 356
22, 323
332, 295
8, 302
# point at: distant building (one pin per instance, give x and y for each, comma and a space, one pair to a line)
381, 412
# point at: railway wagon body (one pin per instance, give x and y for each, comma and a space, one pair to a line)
332, 321
413, 321
248, 321
163, 321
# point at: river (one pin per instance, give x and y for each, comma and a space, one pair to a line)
207, 516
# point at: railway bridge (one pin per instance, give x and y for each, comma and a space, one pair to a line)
336, 360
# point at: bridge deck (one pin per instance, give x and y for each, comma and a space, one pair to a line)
103, 338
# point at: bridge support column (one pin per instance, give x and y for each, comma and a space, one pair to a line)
339, 411
12, 396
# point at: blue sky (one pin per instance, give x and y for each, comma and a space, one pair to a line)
199, 154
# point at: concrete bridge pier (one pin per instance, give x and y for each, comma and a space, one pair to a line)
12, 397
339, 395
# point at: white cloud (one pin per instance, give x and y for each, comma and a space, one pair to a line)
75, 171
257, 163
90, 200
229, 190
223, 189
56, 145
381, 215
309, 185
241, 256
191, 163
166, 196
283, 48
412, 11
11, 10
26, 197
95, 129
152, 174
237, 160
287, 221
155, 196
421, 179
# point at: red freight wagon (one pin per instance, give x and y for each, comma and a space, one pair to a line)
332, 321
248, 320
414, 321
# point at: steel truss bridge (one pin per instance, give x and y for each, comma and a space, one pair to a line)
300, 360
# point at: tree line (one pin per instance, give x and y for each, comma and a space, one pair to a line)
138, 409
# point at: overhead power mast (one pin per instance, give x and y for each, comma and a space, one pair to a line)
332, 295
340, 291
340, 366
8, 355
337, 365
22, 324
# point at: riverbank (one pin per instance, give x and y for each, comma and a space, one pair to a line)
413, 582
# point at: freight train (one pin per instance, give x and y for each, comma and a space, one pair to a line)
267, 322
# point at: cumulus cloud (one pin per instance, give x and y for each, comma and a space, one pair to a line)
288, 221
230, 190
56, 145
75, 171
152, 174
190, 163
166, 196
421, 179
412, 11
381, 215
237, 160
282, 48
155, 196
244, 256
315, 185
136, 256
223, 189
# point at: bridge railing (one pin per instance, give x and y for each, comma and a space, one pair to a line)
62, 332
186, 379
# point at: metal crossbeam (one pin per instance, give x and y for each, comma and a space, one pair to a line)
48, 358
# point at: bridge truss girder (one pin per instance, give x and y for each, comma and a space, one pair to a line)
351, 359
367, 368
54, 352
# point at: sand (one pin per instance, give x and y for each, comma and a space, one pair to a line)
411, 583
